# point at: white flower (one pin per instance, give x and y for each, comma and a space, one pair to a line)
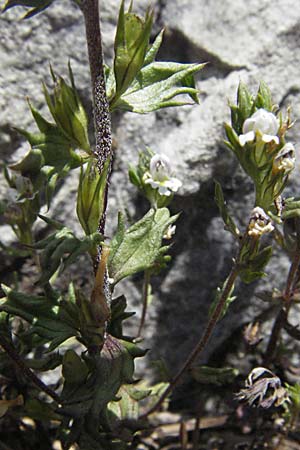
260, 223
160, 176
170, 232
262, 125
285, 160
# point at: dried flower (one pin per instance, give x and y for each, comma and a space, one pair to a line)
263, 388
260, 223
285, 159
160, 176
262, 125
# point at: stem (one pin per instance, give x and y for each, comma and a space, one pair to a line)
102, 120
200, 346
145, 301
10, 350
287, 301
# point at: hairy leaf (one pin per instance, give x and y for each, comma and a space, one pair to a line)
139, 247
157, 85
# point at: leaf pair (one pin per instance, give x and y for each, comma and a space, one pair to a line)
138, 83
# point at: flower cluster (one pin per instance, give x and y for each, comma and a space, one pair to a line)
257, 138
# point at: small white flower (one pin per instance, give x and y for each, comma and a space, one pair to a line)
260, 223
285, 160
170, 232
262, 125
160, 176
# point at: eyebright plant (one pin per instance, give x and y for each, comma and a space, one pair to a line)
96, 400
95, 403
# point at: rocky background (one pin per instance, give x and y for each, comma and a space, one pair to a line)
248, 41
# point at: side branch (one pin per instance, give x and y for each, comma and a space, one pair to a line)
201, 345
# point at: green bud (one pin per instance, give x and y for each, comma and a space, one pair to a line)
68, 112
91, 196
131, 45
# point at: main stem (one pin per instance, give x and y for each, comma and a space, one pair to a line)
203, 340
102, 120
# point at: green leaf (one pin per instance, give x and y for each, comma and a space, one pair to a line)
118, 315
90, 198
152, 51
138, 248
214, 375
157, 85
111, 368
74, 369
127, 406
227, 219
230, 299
68, 112
255, 265
49, 319
48, 362
131, 44
291, 208
36, 5
61, 249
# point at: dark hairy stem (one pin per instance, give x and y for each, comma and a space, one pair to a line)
11, 351
200, 346
287, 301
102, 120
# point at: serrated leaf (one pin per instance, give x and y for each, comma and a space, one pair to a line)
255, 265
48, 319
138, 248
36, 5
227, 219
157, 85
61, 249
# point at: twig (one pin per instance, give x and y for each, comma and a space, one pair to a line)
10, 350
200, 346
102, 120
287, 301
145, 301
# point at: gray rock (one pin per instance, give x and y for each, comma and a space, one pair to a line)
249, 42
